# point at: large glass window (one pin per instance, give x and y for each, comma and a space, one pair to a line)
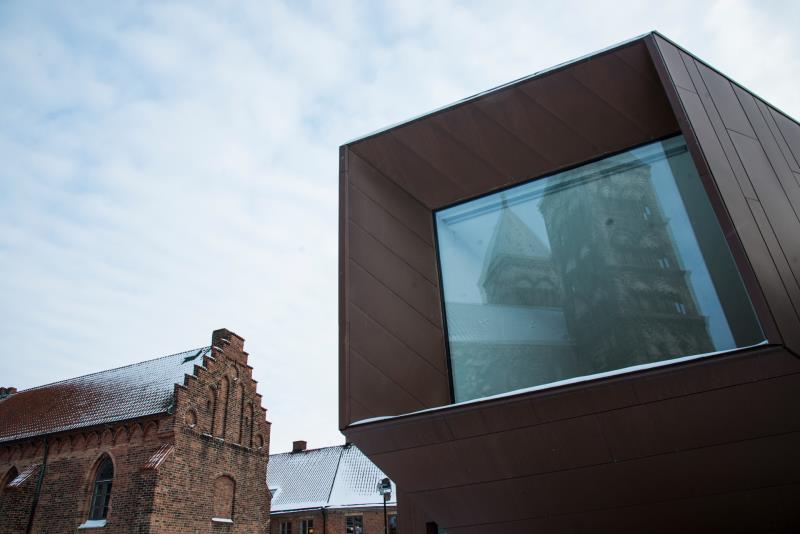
615, 264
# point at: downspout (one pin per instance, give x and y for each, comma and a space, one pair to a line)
324, 520
38, 489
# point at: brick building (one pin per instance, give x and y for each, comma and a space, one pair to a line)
175, 444
332, 490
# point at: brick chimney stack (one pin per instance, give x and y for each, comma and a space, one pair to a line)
299, 446
231, 344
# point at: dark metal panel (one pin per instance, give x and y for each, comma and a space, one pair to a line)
672, 59
725, 100
404, 166
783, 221
539, 129
459, 162
626, 92
769, 117
763, 510
391, 233
719, 129
697, 474
714, 373
397, 361
791, 133
514, 157
584, 112
344, 362
759, 271
392, 271
756, 112
389, 196
632, 433
396, 316
373, 389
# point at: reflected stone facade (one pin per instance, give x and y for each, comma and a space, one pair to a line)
607, 289
627, 300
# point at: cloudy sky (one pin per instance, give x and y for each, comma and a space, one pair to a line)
170, 168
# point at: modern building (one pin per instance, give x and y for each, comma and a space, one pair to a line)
172, 445
572, 303
332, 490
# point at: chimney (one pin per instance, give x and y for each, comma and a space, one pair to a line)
231, 344
298, 446
6, 392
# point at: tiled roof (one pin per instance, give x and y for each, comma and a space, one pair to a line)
137, 390
331, 477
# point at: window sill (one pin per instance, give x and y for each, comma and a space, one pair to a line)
221, 520
93, 523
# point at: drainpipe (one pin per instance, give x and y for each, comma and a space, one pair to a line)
38, 489
324, 521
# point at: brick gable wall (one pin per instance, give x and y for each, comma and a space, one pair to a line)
164, 467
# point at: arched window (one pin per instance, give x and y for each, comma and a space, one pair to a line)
10, 475
224, 492
101, 490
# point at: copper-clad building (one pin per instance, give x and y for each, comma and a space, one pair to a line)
572, 303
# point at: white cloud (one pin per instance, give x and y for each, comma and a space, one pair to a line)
171, 168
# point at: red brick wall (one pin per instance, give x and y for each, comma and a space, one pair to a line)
185, 496
69, 476
334, 520
176, 496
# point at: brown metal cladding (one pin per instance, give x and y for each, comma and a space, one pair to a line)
706, 445
681, 435
752, 174
391, 182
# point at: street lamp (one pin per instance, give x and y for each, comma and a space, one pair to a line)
385, 489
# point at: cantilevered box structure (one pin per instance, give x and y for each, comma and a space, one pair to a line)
571, 303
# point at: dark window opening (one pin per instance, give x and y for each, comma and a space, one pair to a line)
101, 494
354, 524
285, 527
306, 526
393, 524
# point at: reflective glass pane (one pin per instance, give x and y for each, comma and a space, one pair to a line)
615, 264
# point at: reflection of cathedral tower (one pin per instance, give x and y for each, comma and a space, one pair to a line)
625, 295
517, 269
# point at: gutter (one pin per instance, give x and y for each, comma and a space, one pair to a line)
38, 489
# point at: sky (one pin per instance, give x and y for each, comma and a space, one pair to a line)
169, 168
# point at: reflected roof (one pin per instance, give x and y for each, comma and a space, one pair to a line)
500, 324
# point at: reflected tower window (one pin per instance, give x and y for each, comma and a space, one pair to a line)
615, 264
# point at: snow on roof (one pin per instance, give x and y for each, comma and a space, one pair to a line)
136, 390
330, 477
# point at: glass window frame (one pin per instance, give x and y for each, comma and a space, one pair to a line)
746, 276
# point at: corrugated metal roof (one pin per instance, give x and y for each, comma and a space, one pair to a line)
330, 477
136, 390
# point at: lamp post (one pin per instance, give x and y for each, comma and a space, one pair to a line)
385, 489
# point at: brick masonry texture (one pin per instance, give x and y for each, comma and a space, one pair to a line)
167, 467
334, 520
